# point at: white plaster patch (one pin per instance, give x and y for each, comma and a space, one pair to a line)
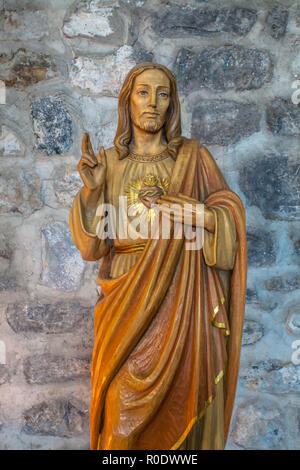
89, 24
103, 75
9, 143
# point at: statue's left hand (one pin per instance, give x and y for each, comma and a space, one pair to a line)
187, 210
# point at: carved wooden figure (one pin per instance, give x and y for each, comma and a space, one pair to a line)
168, 323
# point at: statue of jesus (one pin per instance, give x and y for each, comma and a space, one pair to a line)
168, 322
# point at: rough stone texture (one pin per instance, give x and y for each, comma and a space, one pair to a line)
4, 374
252, 332
48, 318
63, 63
224, 122
52, 125
298, 424
26, 68
259, 427
10, 145
271, 182
8, 283
277, 21
223, 68
140, 54
133, 3
19, 191
297, 246
23, 25
283, 117
178, 22
261, 250
62, 262
293, 321
100, 115
105, 75
93, 20
272, 376
251, 296
5, 250
67, 183
62, 417
47, 368
286, 284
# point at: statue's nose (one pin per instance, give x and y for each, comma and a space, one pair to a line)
152, 100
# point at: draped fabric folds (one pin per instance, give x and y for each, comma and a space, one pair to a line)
168, 331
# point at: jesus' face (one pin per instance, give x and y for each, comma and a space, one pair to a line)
149, 100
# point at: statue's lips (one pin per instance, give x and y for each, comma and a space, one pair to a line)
151, 115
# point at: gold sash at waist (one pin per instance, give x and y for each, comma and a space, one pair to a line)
133, 248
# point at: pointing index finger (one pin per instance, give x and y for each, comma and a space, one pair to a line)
84, 148
89, 145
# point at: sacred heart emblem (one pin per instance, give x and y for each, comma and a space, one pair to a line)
144, 192
150, 190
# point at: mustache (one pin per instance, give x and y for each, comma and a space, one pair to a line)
151, 112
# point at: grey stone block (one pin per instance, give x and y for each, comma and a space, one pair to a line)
283, 117
61, 317
271, 182
47, 368
224, 122
252, 332
177, 22
20, 191
286, 283
276, 22
23, 25
62, 263
61, 417
67, 183
259, 427
223, 68
52, 125
272, 376
26, 68
261, 249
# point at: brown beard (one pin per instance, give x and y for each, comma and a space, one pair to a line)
150, 126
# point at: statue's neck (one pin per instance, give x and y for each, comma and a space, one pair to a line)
144, 142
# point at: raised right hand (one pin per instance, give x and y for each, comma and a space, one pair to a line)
91, 167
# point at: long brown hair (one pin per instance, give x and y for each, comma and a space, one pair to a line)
172, 125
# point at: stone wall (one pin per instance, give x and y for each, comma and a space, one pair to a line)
63, 64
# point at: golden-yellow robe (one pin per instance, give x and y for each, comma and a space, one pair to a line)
161, 323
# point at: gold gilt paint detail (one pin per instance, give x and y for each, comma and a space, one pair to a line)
198, 417
148, 158
143, 192
217, 308
219, 324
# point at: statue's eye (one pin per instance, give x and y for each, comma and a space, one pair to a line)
163, 95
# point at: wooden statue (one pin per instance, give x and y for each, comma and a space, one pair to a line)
168, 323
